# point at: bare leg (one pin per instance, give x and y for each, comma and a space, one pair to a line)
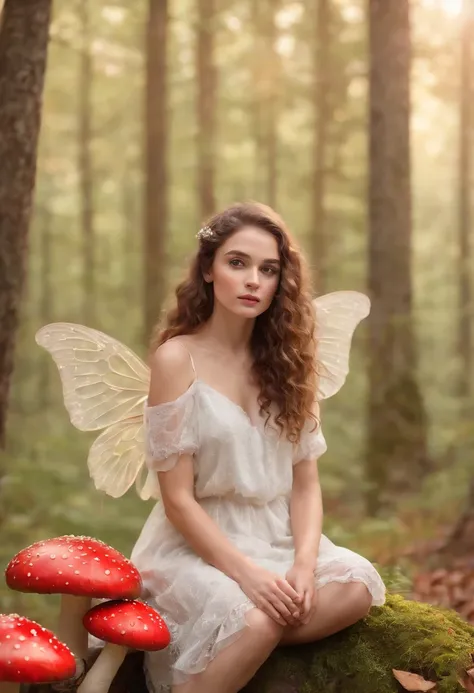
237, 663
339, 606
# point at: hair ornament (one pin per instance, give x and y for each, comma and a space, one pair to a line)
205, 232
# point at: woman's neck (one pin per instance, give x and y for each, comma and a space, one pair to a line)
228, 332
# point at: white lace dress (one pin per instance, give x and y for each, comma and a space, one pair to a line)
243, 479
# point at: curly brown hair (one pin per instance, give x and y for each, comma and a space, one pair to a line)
283, 342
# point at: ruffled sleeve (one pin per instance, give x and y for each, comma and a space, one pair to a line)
312, 443
171, 430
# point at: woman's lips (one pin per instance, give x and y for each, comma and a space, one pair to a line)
249, 300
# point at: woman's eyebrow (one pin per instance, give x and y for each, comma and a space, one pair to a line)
273, 261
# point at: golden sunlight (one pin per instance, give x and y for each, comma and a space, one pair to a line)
452, 7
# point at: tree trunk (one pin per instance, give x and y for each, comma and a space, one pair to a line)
465, 345
23, 51
156, 186
320, 15
271, 103
396, 455
89, 296
130, 246
256, 101
46, 296
206, 107
267, 86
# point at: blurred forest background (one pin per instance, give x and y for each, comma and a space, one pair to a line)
157, 113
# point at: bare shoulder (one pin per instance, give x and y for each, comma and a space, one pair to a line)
171, 372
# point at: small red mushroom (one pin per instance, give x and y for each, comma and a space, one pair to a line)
122, 625
30, 653
80, 569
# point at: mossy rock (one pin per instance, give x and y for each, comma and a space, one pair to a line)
406, 635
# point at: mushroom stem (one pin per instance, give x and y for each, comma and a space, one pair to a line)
6, 687
100, 676
70, 627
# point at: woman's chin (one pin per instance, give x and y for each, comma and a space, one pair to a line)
246, 311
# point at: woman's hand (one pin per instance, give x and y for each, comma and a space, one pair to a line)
272, 594
301, 578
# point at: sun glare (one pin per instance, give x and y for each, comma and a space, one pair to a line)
452, 7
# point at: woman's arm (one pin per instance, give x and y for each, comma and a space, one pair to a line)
306, 513
171, 376
306, 516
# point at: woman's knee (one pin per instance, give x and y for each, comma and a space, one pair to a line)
267, 628
360, 598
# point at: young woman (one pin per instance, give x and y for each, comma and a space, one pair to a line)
233, 557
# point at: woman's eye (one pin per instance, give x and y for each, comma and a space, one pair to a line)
269, 270
234, 262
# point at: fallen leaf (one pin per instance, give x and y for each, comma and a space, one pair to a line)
413, 682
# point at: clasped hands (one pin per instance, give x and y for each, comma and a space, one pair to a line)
290, 601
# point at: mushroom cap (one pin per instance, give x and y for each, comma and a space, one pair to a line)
30, 653
81, 566
132, 624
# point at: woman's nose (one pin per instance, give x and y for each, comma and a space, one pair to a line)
252, 279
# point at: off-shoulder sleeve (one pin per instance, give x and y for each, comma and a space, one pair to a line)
171, 430
312, 443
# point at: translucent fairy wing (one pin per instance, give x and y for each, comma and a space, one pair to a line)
103, 381
117, 458
105, 386
337, 316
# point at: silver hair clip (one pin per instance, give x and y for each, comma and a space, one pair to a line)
205, 232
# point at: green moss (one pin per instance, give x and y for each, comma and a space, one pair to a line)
400, 635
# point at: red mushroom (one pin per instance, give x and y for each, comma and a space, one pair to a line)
122, 625
80, 569
30, 653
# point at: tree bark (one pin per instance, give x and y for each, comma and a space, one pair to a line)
466, 297
267, 89
206, 107
396, 455
320, 16
89, 292
46, 296
23, 51
156, 175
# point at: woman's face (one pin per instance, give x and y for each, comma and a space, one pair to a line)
246, 272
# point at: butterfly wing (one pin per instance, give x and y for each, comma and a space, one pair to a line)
105, 386
337, 316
